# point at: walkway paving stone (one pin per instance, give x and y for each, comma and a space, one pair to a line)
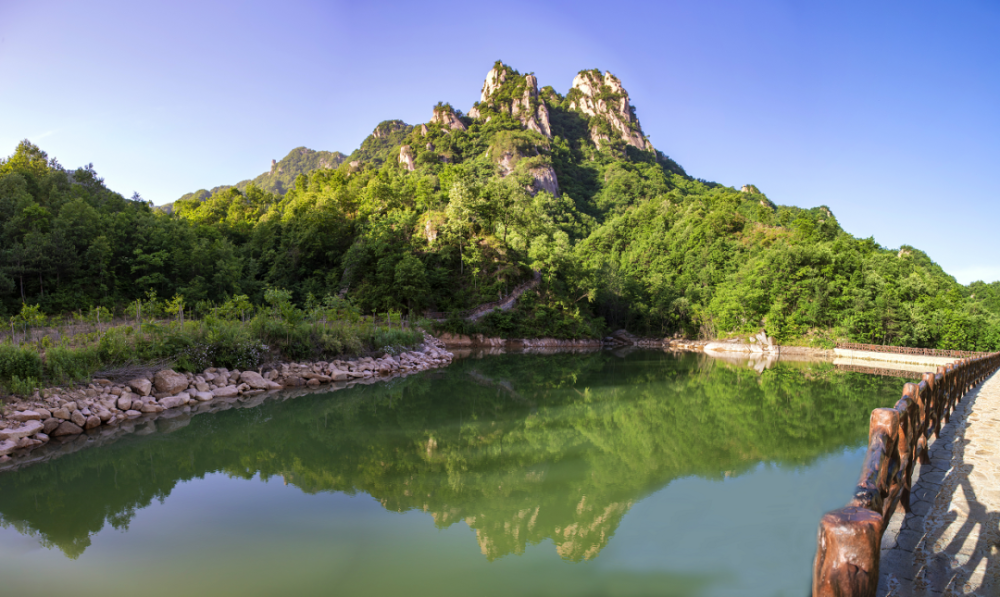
949, 544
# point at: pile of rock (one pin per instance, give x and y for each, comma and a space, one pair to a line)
103, 403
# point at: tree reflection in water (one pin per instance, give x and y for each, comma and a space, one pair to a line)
522, 448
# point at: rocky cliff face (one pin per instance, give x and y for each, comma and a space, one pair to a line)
607, 103
507, 91
406, 157
446, 117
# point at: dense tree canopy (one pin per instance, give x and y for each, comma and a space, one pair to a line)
628, 239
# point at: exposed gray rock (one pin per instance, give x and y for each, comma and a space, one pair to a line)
24, 430
168, 381
406, 157
67, 428
25, 415
225, 392
174, 401
141, 386
254, 380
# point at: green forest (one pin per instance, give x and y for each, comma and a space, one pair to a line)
449, 214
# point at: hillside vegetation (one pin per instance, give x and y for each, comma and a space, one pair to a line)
457, 211
279, 178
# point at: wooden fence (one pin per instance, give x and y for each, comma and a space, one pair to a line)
849, 539
926, 352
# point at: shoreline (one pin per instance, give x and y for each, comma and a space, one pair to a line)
57, 421
53, 420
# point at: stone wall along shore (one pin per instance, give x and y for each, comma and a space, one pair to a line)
60, 413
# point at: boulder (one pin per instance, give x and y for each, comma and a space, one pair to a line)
50, 424
7, 446
174, 401
67, 428
62, 413
78, 418
254, 380
132, 414
225, 392
203, 396
92, 422
26, 429
124, 402
168, 381
25, 415
141, 386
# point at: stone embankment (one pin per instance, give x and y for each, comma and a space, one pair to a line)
60, 414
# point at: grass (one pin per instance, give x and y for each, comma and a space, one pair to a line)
194, 346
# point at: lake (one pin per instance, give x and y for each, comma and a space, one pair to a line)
602, 473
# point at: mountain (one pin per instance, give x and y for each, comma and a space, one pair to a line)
457, 211
280, 177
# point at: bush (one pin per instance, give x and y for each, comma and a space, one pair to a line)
64, 364
22, 363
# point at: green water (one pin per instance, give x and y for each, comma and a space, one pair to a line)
594, 474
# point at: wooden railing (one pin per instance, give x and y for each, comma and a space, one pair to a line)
849, 539
926, 352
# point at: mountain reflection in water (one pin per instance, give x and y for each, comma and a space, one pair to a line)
522, 448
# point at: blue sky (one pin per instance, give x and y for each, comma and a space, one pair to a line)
888, 113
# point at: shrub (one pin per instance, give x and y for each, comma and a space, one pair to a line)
22, 363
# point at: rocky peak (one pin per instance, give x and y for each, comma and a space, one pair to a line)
749, 188
384, 129
607, 103
274, 163
445, 115
507, 91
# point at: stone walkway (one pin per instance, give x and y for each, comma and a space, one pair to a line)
950, 543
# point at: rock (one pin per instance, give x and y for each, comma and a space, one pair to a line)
170, 382
62, 413
254, 380
26, 429
124, 402
615, 110
78, 417
294, 381
406, 157
174, 401
44, 413
6, 447
92, 422
225, 392
25, 415
445, 116
67, 428
201, 386
141, 386
41, 437
203, 396
50, 424
150, 407
132, 414
312, 383
104, 415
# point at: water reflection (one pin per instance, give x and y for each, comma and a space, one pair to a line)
522, 449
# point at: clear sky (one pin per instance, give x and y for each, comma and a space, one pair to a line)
886, 112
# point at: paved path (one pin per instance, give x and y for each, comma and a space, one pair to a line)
950, 543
